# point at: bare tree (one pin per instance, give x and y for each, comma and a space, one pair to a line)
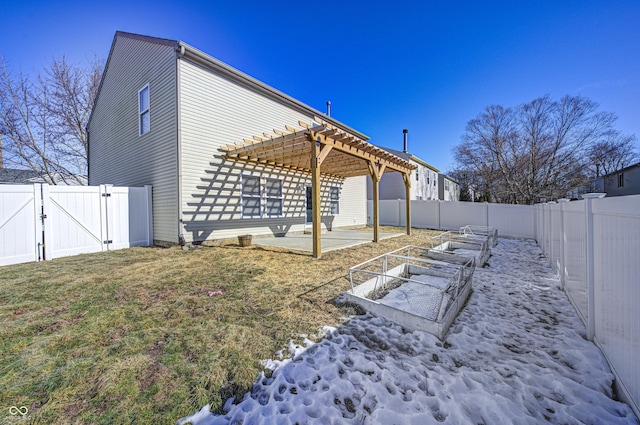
612, 153
43, 120
540, 149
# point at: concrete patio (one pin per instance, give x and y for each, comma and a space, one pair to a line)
331, 240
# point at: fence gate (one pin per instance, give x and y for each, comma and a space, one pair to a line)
42, 222
20, 224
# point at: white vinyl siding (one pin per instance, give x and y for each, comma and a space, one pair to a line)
353, 202
214, 112
144, 110
117, 153
391, 186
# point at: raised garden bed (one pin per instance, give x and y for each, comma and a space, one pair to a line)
412, 288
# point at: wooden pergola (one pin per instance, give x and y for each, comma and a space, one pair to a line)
323, 149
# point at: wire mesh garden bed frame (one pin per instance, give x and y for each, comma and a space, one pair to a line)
466, 245
488, 231
418, 288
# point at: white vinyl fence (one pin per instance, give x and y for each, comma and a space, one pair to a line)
594, 247
511, 220
42, 222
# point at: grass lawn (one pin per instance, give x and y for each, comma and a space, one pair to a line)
134, 336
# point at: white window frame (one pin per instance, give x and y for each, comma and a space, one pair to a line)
334, 200
263, 197
244, 196
146, 111
268, 197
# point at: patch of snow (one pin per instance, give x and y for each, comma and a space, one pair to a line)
517, 353
419, 299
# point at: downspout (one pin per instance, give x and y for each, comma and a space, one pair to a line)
179, 54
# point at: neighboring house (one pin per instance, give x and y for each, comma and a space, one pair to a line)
623, 182
619, 183
596, 186
19, 176
424, 180
16, 176
448, 188
225, 153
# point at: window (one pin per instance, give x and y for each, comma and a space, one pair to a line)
143, 110
274, 201
251, 197
446, 185
417, 175
256, 202
621, 180
334, 199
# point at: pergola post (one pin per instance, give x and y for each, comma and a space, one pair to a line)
407, 189
375, 171
315, 197
376, 207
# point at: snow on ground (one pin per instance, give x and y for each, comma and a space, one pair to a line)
517, 353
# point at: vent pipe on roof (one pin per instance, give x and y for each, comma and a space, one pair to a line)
405, 132
328, 108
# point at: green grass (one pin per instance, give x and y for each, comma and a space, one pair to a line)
132, 336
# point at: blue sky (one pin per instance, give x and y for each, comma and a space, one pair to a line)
429, 66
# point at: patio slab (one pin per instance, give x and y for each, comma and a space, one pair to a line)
331, 240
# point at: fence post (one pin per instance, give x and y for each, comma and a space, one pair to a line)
486, 214
562, 255
149, 190
38, 224
543, 230
551, 250
106, 211
439, 224
47, 232
591, 309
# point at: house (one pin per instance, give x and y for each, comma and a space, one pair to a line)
448, 188
226, 154
18, 176
623, 182
424, 179
23, 176
14, 175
